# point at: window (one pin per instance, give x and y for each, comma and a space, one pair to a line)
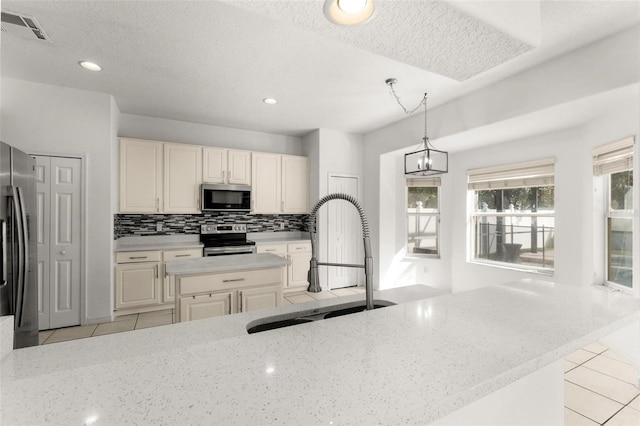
614, 162
512, 219
423, 216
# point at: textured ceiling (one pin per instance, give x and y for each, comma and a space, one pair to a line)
212, 62
431, 35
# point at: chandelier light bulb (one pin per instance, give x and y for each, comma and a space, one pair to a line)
352, 6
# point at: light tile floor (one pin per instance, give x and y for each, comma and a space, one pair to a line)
599, 386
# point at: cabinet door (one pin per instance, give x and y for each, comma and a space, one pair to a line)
266, 183
253, 299
140, 176
182, 178
214, 165
239, 169
169, 290
295, 184
298, 269
277, 249
137, 284
206, 306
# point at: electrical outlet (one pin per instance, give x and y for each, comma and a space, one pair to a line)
282, 226
159, 226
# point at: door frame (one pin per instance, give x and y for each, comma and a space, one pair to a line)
83, 219
360, 250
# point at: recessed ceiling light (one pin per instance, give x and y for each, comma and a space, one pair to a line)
349, 12
270, 101
91, 66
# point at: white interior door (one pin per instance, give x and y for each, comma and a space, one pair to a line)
345, 235
59, 246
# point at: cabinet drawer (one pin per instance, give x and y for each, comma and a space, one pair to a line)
278, 249
181, 254
229, 280
137, 256
298, 247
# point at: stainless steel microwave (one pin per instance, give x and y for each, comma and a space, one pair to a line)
225, 198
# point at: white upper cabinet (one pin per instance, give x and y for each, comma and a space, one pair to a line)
182, 178
214, 165
266, 183
239, 169
226, 166
280, 183
140, 176
295, 184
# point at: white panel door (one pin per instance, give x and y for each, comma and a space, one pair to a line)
182, 178
345, 234
59, 245
266, 183
43, 203
295, 184
214, 165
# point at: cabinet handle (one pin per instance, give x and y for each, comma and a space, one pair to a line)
282, 205
301, 248
183, 255
270, 250
233, 280
157, 204
157, 272
240, 294
137, 257
229, 303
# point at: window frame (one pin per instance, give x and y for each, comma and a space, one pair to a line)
429, 183
473, 221
609, 214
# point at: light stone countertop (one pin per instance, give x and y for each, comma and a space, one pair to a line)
158, 242
409, 363
262, 238
214, 264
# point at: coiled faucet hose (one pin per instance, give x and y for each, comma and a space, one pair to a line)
339, 196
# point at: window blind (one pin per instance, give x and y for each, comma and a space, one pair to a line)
425, 181
517, 175
613, 157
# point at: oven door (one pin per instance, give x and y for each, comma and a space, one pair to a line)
225, 198
224, 251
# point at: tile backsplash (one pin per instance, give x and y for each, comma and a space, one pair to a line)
127, 225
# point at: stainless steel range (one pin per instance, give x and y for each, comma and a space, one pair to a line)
220, 240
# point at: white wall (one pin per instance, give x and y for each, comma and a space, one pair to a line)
55, 120
164, 130
512, 111
331, 152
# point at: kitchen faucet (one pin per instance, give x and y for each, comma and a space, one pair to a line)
312, 276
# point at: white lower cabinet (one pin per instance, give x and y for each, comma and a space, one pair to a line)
299, 254
210, 295
137, 285
141, 285
206, 306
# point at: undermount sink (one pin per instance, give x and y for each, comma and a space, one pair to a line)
295, 318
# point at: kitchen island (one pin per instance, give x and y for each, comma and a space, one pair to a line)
414, 362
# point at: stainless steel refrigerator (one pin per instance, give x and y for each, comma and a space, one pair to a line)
18, 289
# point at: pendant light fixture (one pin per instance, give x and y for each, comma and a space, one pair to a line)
425, 160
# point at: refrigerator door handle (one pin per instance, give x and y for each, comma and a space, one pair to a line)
3, 231
17, 216
25, 251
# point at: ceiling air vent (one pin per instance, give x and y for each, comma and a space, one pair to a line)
23, 26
